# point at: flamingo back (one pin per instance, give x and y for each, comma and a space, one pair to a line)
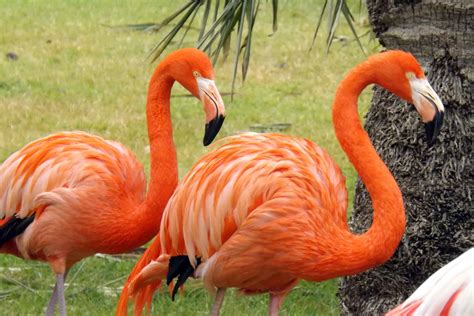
48, 169
228, 184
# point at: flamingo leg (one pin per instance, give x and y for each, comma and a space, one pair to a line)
52, 302
218, 301
274, 304
54, 298
62, 301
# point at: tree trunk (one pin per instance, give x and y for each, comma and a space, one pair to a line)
436, 182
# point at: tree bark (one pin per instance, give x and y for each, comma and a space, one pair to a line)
436, 182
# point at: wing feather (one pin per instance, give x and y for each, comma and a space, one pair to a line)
449, 291
46, 169
225, 186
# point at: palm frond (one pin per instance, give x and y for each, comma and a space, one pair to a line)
340, 6
220, 19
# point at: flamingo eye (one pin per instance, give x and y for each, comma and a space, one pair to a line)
410, 75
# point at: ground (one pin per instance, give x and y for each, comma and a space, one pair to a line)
63, 68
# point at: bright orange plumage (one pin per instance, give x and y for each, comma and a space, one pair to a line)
249, 178
70, 178
262, 212
71, 195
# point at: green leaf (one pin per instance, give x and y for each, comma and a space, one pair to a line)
333, 24
195, 11
251, 16
238, 43
275, 15
161, 46
350, 19
319, 24
238, 16
204, 18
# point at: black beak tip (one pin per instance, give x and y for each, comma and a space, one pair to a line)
433, 128
212, 129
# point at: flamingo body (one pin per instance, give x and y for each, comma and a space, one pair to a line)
77, 186
71, 195
263, 211
448, 292
246, 204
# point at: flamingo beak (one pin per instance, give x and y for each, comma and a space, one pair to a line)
213, 107
429, 106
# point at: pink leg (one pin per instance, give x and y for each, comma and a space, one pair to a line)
218, 301
52, 302
54, 298
275, 302
61, 300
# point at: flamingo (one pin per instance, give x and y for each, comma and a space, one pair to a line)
263, 211
449, 291
71, 194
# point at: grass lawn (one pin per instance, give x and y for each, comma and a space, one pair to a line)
74, 73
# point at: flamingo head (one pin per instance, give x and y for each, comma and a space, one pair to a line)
402, 74
193, 70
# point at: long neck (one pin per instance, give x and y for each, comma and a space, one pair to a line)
164, 167
379, 243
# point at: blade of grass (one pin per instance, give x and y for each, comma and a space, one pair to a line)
71, 280
13, 281
123, 277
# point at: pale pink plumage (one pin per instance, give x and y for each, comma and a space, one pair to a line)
448, 292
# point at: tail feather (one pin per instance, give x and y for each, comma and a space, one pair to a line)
13, 226
144, 279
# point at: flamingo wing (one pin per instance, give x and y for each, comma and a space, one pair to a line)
49, 170
449, 291
228, 184
241, 184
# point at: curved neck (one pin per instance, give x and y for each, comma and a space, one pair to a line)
379, 243
163, 160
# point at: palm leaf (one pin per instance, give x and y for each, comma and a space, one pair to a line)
220, 19
238, 44
275, 15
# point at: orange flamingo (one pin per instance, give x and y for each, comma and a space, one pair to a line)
71, 195
449, 291
263, 211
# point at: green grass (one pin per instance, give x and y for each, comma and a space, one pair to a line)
73, 73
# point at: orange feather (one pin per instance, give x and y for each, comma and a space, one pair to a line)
263, 211
87, 194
